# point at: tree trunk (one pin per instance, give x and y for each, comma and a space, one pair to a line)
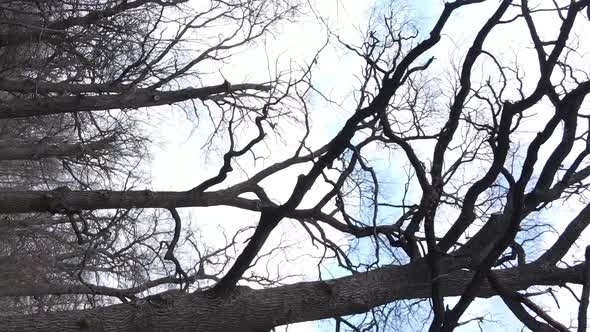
63, 200
245, 309
21, 108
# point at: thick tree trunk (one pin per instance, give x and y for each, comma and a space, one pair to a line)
64, 200
20, 108
44, 88
259, 310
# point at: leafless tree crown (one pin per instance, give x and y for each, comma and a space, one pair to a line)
444, 179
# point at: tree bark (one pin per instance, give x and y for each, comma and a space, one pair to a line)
246, 309
63, 200
21, 108
43, 88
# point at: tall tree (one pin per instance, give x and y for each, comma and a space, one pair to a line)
466, 223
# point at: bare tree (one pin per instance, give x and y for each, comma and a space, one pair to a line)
85, 52
465, 222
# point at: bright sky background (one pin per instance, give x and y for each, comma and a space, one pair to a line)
179, 162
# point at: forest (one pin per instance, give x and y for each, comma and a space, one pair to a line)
448, 171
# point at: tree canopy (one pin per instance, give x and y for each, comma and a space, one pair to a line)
449, 178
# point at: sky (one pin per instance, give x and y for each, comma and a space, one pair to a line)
179, 162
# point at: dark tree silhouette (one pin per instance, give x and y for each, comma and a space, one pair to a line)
466, 223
